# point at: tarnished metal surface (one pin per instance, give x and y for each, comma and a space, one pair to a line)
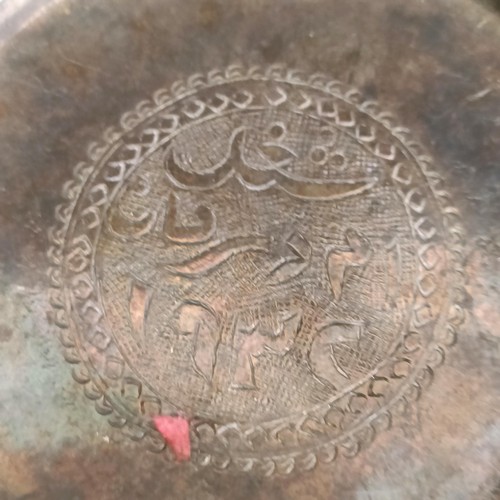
262, 250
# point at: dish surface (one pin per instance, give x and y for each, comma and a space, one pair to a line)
264, 250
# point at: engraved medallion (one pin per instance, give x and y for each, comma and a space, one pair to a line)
264, 253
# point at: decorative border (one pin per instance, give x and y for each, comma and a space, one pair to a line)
363, 433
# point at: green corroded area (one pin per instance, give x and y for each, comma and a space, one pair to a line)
41, 406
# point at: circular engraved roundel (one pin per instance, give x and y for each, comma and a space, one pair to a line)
264, 254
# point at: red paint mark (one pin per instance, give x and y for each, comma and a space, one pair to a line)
175, 431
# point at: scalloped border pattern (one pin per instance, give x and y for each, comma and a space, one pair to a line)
364, 435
